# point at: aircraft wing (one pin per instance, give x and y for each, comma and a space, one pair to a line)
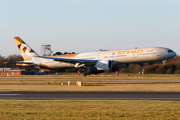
68, 60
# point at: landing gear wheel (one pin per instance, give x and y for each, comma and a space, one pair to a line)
164, 66
164, 62
85, 74
88, 71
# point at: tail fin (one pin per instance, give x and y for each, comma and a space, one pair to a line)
26, 51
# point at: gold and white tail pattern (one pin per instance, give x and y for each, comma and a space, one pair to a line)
26, 51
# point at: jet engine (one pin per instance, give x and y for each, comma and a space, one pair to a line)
104, 65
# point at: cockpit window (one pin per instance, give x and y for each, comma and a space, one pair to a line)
170, 51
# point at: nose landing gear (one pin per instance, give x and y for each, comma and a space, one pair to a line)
164, 62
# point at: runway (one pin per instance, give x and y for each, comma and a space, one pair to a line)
91, 95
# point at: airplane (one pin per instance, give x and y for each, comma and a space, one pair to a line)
92, 62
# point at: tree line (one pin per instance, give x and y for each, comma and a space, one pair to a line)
172, 66
10, 58
61, 53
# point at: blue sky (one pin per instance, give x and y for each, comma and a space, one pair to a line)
87, 25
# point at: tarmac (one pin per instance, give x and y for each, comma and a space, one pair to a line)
91, 95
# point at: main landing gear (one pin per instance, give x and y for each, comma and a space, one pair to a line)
87, 73
90, 70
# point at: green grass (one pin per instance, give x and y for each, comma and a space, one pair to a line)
107, 76
88, 86
89, 109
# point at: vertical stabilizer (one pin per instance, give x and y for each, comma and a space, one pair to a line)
26, 51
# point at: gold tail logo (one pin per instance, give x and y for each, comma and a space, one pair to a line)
26, 51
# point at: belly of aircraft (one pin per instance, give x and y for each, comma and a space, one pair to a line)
60, 65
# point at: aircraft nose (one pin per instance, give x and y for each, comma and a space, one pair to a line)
174, 54
171, 53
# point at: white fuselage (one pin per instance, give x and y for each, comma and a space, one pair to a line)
118, 57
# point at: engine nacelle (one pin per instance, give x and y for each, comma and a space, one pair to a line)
104, 65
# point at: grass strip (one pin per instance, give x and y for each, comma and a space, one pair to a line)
89, 86
89, 109
105, 76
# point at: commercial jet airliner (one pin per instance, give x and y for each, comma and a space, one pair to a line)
92, 62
